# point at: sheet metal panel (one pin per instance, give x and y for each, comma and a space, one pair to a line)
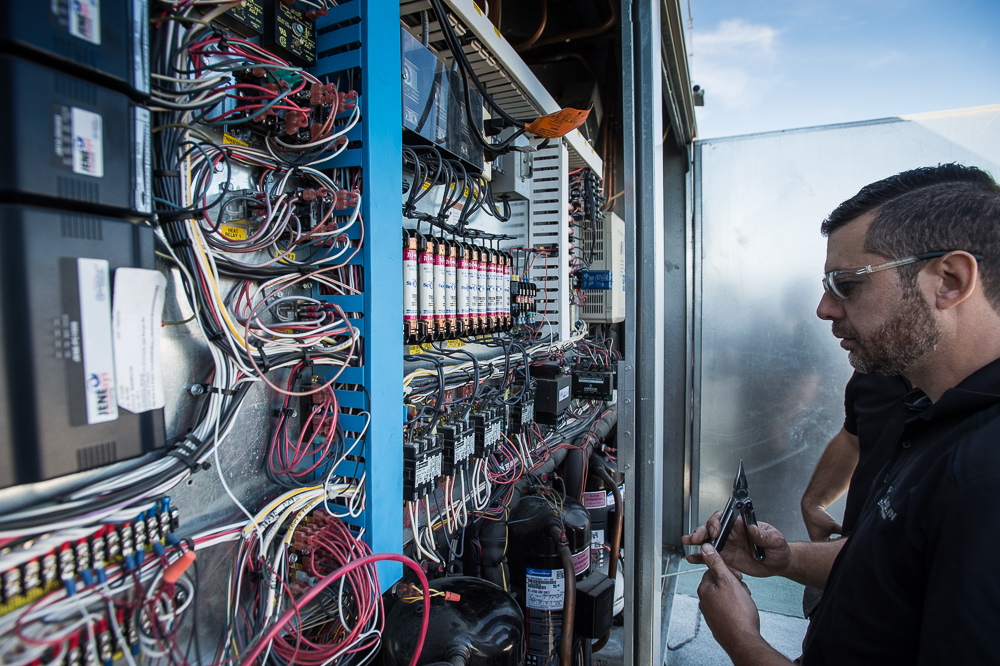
771, 375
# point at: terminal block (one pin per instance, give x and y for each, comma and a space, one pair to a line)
522, 301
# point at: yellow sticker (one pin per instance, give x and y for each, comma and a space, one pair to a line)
478, 10
496, 30
290, 256
286, 331
233, 233
419, 349
229, 138
454, 344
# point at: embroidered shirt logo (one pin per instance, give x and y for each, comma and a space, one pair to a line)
885, 508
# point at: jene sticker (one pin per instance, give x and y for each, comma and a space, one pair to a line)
85, 20
90, 363
87, 130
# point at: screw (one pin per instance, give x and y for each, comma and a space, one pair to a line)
628, 401
627, 467
628, 433
628, 368
298, 29
197, 389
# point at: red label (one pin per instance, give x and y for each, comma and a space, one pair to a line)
427, 258
595, 500
409, 255
450, 261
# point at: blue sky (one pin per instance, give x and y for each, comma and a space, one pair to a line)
777, 64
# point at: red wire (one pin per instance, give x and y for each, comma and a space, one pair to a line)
326, 581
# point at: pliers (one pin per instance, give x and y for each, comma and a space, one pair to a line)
739, 502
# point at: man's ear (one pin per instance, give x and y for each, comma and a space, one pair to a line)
956, 276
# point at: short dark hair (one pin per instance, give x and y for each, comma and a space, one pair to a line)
947, 207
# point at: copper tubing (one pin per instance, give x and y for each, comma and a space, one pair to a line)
530, 41
555, 533
572, 34
616, 541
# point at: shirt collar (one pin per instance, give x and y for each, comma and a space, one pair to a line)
974, 393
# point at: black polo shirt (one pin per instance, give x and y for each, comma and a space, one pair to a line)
870, 401
918, 580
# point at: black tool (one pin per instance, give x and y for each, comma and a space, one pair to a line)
741, 504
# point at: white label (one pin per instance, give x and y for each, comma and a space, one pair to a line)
563, 393
85, 20
143, 162
465, 448
94, 280
88, 142
140, 45
594, 500
544, 589
137, 320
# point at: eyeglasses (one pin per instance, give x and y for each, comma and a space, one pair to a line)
841, 284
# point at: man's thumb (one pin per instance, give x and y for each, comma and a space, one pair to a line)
712, 558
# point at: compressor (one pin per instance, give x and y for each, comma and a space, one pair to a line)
473, 623
564, 602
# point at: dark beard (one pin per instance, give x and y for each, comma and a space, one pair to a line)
896, 344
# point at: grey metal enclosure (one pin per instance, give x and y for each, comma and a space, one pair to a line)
769, 377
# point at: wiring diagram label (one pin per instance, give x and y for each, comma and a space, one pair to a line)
544, 588
137, 321
85, 20
90, 367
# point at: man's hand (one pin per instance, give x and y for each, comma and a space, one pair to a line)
820, 524
736, 553
732, 615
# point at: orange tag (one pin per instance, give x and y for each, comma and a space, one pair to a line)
558, 124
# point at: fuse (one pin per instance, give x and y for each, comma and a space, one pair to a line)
439, 288
491, 289
505, 283
411, 305
425, 288
481, 290
450, 287
463, 288
474, 318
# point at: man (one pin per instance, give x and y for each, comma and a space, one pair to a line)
850, 461
915, 582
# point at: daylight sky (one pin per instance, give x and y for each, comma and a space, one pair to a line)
778, 64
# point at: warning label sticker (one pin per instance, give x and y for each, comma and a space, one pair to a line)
595, 500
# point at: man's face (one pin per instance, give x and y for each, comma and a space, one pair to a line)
886, 325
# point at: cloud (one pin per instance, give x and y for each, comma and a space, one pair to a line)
735, 63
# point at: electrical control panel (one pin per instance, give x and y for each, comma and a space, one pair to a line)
72, 143
106, 41
61, 412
